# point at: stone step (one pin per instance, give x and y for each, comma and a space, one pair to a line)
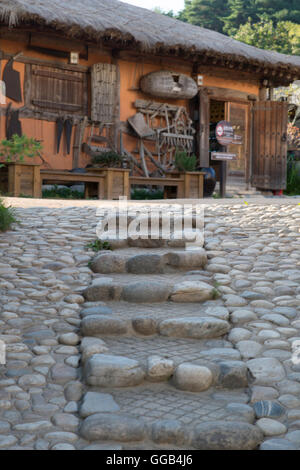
212, 435
109, 371
144, 316
188, 239
158, 416
149, 290
180, 327
148, 263
163, 229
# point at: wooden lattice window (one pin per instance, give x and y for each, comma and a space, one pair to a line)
58, 90
104, 92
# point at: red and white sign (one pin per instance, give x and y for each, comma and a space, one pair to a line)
224, 133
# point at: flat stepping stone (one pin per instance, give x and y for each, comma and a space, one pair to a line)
103, 289
112, 427
92, 325
194, 327
94, 402
169, 431
192, 291
146, 264
106, 263
105, 370
145, 292
220, 435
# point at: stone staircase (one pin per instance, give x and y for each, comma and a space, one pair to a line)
158, 368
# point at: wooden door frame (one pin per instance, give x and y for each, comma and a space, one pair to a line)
226, 95
248, 158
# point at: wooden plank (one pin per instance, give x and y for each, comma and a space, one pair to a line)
79, 134
57, 75
27, 85
126, 185
156, 181
187, 185
37, 182
203, 137
65, 176
48, 63
105, 93
56, 105
227, 94
269, 149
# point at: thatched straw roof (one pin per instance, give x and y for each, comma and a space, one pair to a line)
138, 28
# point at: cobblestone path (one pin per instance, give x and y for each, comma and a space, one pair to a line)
151, 348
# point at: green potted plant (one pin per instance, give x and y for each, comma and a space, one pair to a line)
186, 166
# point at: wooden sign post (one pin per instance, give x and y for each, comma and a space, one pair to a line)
225, 136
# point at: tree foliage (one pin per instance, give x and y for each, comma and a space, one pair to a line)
17, 148
268, 24
268, 35
206, 13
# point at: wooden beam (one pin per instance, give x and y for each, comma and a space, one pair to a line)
48, 63
226, 94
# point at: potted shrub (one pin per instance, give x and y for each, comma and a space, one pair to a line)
186, 166
110, 164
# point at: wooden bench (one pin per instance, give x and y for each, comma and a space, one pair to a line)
116, 181
178, 183
90, 180
189, 185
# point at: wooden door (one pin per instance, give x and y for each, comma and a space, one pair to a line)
238, 114
269, 144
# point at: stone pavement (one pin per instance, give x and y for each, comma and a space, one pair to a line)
141, 352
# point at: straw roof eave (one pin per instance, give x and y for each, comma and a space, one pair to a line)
111, 22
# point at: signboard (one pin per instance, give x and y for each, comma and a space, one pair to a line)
237, 139
224, 133
223, 156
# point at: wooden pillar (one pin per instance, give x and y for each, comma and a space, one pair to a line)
37, 181
204, 117
223, 178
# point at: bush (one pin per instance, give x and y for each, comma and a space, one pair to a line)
108, 159
141, 194
62, 193
17, 148
99, 245
185, 162
293, 179
7, 217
